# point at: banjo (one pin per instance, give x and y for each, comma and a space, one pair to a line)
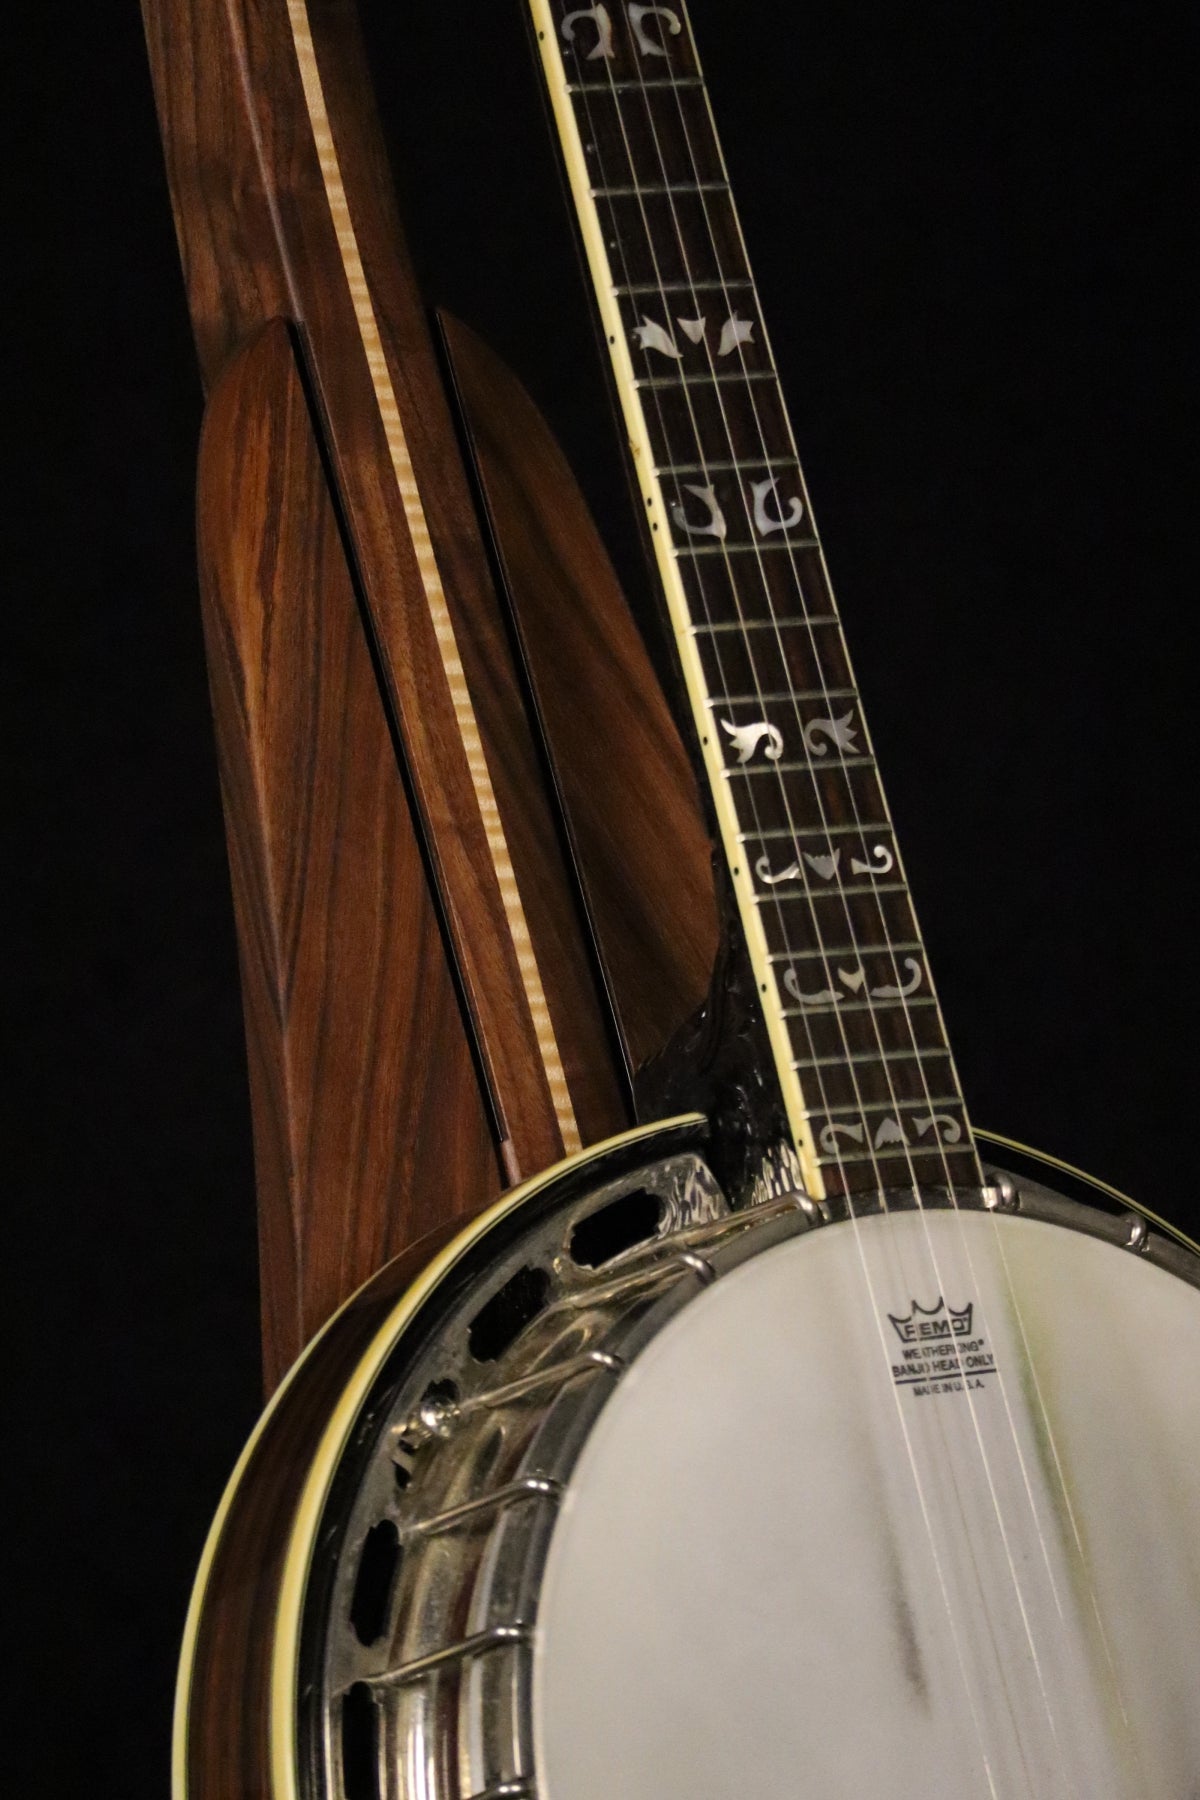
781, 1445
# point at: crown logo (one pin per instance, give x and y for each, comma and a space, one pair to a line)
928, 1324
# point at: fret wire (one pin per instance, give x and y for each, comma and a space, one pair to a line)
881, 1106
866, 1057
782, 831
841, 893
796, 768
774, 697
824, 1009
791, 956
716, 378
859, 950
765, 624
726, 468
962, 1148
762, 550
624, 87
660, 188
627, 290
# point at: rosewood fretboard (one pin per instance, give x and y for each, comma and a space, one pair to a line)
866, 1071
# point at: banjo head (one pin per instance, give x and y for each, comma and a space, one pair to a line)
751, 1507
850, 1526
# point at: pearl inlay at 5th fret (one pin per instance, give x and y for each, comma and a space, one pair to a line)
650, 335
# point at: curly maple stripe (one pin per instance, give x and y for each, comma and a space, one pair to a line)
435, 597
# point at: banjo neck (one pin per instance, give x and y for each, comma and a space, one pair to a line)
867, 1077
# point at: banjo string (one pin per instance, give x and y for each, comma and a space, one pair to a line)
779, 913
876, 1311
1026, 1480
871, 1011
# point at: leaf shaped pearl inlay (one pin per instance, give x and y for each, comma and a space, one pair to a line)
830, 1133
716, 526
763, 521
745, 739
944, 1127
853, 981
600, 18
735, 331
645, 42
824, 866
890, 1131
650, 335
881, 862
826, 997
916, 975
762, 869
839, 731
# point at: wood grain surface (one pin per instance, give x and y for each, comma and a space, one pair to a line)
227, 1753
371, 1122
624, 778
478, 620
250, 1604
284, 212
264, 234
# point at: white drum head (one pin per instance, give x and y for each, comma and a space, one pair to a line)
908, 1508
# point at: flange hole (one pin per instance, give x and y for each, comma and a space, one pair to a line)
630, 1219
378, 1563
360, 1744
504, 1317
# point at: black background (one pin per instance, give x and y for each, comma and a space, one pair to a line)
966, 224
